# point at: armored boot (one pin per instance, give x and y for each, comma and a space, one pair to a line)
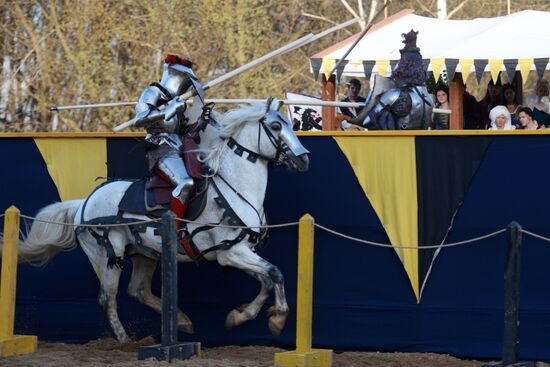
174, 169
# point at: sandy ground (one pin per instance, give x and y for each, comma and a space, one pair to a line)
107, 352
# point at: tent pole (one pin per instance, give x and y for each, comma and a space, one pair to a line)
456, 95
328, 94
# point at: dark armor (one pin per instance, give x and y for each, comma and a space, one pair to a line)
401, 102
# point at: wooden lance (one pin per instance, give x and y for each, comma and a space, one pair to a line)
309, 38
290, 102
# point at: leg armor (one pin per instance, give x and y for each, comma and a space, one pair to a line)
174, 168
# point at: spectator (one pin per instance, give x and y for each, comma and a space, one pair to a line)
511, 103
494, 94
492, 99
500, 119
540, 103
354, 87
527, 119
441, 120
473, 112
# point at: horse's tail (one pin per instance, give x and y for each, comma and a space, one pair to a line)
45, 239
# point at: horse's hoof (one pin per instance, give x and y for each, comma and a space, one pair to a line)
271, 311
276, 324
184, 323
232, 319
277, 320
187, 329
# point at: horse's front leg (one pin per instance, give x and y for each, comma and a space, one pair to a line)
249, 311
242, 257
279, 311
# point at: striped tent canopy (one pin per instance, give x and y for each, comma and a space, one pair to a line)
507, 43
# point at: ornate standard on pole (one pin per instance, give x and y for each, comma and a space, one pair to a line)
169, 348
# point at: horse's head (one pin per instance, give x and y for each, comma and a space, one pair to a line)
287, 149
260, 130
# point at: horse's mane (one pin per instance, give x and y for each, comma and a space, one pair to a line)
230, 123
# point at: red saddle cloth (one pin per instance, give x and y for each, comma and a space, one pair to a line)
159, 190
190, 156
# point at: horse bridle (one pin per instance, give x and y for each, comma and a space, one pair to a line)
252, 155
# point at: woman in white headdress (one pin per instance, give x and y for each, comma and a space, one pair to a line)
500, 119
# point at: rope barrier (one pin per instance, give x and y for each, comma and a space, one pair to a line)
378, 244
290, 224
536, 235
90, 225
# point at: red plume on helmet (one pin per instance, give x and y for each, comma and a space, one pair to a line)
175, 59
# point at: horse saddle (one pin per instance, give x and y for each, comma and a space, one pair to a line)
152, 196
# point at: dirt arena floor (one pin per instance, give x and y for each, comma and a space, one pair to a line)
107, 352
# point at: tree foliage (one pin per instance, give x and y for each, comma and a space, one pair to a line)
84, 51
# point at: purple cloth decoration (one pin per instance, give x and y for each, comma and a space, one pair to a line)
410, 70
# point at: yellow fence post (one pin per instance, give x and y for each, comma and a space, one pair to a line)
304, 355
10, 344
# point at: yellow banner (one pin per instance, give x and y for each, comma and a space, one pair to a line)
525, 68
437, 66
494, 68
328, 64
382, 66
74, 164
386, 170
466, 66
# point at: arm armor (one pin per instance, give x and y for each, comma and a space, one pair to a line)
386, 99
146, 107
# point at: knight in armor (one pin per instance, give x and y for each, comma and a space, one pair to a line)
164, 134
400, 102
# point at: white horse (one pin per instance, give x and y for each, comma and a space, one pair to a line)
259, 131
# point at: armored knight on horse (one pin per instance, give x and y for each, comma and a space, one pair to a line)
164, 135
402, 101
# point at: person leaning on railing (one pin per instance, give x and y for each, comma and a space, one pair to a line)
527, 120
347, 113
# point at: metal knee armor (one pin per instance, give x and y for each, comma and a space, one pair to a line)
174, 168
